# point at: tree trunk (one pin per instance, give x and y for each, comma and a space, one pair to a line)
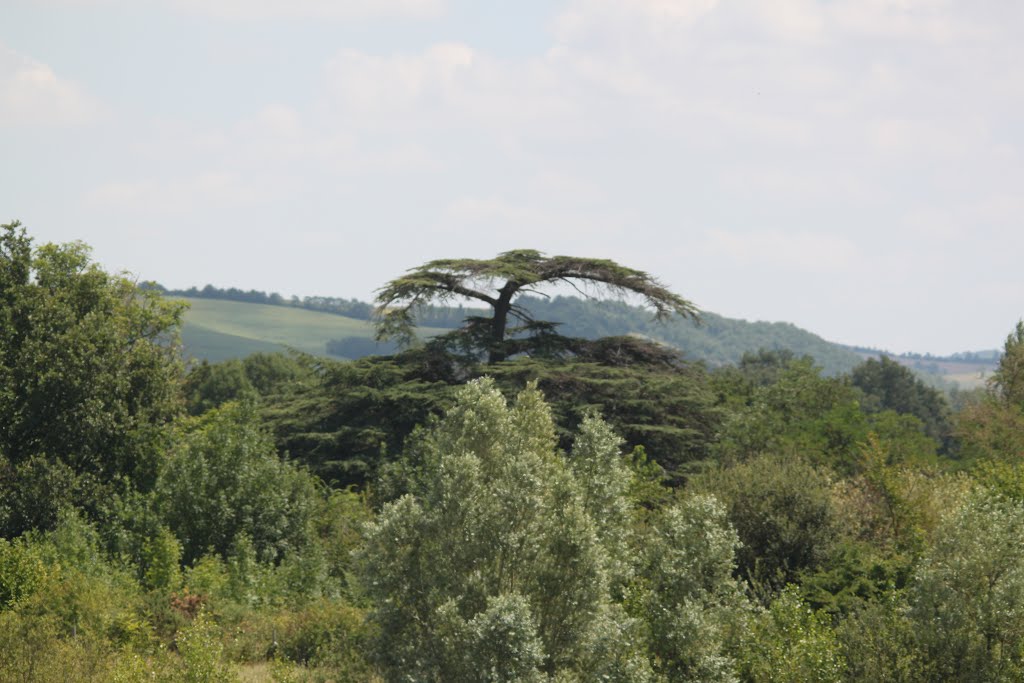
496, 351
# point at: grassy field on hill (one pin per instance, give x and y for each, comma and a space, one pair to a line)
218, 330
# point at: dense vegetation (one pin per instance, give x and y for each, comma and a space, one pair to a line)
598, 509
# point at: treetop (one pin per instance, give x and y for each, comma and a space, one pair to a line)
498, 281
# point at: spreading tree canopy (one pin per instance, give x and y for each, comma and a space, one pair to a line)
497, 283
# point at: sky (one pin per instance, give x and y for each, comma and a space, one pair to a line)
855, 167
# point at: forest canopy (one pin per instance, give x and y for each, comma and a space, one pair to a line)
614, 513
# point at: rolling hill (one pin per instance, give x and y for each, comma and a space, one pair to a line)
216, 330
716, 340
219, 329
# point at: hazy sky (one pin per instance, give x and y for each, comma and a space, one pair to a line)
855, 167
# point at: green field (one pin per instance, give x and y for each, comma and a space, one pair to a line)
216, 330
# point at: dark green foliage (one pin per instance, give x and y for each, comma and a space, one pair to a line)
887, 385
34, 492
666, 408
128, 521
89, 368
209, 386
992, 426
359, 347
224, 480
853, 575
782, 510
991, 430
257, 375
345, 424
251, 296
802, 413
797, 410
329, 304
1008, 379
271, 373
338, 531
359, 414
735, 386
765, 367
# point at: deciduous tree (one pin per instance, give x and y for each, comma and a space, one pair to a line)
492, 567
90, 375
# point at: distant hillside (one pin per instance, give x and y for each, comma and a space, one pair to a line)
219, 329
968, 369
717, 340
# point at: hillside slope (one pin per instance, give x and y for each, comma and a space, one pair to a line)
216, 330
967, 370
717, 340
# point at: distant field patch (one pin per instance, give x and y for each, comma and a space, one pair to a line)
205, 344
969, 380
217, 330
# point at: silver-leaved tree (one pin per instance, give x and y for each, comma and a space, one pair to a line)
510, 561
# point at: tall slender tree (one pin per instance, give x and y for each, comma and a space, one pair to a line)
1008, 379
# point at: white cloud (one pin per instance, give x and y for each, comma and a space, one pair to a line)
31, 94
179, 196
512, 224
453, 88
786, 250
930, 21
796, 20
789, 184
564, 188
932, 137
274, 155
369, 84
310, 9
261, 10
587, 19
